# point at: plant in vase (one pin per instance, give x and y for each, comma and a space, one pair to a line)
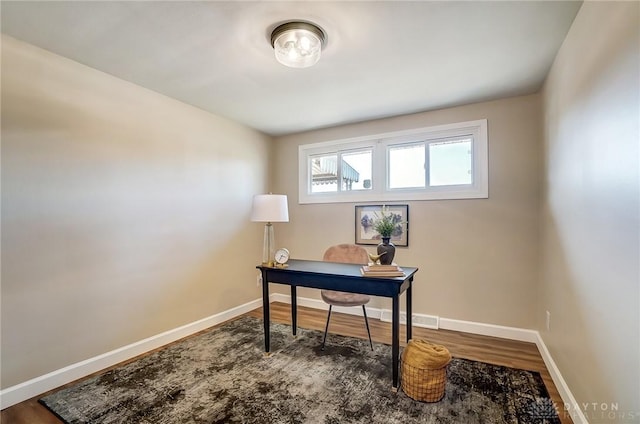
387, 225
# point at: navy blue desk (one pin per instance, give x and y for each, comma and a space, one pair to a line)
341, 277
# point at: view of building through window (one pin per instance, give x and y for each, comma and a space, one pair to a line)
442, 162
450, 163
362, 163
355, 172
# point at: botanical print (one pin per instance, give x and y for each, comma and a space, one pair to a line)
392, 217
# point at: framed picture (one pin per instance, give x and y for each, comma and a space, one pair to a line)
367, 215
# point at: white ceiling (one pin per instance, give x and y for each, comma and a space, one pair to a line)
383, 58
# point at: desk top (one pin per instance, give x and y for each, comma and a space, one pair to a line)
335, 268
337, 276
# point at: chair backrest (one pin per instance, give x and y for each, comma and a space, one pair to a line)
347, 253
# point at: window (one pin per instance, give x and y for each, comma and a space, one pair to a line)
450, 162
407, 166
354, 172
443, 162
431, 163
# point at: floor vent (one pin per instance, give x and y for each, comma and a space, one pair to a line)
418, 320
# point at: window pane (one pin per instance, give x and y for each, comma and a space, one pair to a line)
450, 163
406, 166
356, 170
324, 176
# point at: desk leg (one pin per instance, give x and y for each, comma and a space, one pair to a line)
409, 312
294, 310
265, 312
395, 339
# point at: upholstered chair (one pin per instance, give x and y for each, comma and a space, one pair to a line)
353, 254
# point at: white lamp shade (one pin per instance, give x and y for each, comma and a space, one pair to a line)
270, 208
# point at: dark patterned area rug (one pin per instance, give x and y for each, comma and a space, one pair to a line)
222, 376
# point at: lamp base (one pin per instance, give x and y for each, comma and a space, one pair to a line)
268, 246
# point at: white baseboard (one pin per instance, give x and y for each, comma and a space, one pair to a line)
570, 406
500, 331
419, 320
36, 386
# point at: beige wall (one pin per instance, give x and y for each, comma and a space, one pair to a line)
477, 258
124, 213
590, 266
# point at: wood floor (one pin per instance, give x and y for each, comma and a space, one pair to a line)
480, 348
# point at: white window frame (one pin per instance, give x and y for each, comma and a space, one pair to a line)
379, 144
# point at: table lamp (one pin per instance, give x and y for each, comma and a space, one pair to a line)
269, 208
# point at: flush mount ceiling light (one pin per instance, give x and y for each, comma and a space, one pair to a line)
298, 44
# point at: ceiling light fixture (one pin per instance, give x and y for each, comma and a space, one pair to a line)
298, 44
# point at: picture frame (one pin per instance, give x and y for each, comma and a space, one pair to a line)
366, 215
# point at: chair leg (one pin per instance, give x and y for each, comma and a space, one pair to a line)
326, 328
366, 321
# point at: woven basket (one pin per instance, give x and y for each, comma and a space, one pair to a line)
424, 384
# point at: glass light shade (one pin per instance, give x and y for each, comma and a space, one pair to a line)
297, 44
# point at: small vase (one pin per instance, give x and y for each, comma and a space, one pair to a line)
389, 248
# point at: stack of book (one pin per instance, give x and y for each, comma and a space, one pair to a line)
374, 270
